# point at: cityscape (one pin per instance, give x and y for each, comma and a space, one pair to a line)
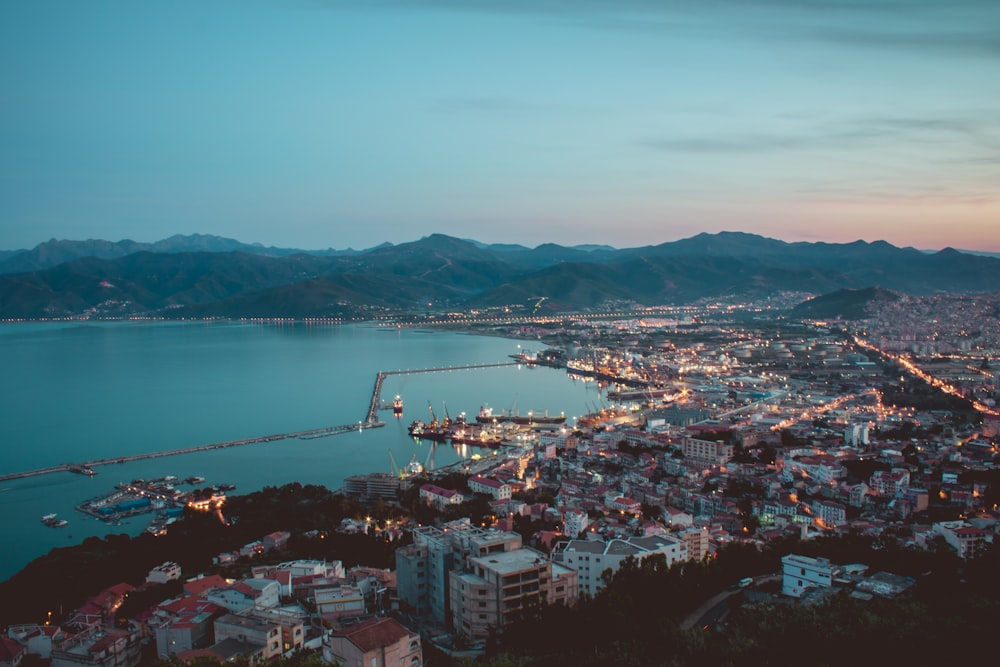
721, 426
499, 333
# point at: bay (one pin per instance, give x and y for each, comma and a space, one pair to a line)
81, 391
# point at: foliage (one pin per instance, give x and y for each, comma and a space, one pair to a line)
635, 619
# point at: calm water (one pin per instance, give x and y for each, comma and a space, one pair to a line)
74, 392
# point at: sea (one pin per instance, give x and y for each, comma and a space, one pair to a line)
81, 391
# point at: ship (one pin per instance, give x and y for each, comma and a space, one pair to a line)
53, 521
458, 432
397, 405
433, 431
486, 416
82, 469
536, 418
479, 437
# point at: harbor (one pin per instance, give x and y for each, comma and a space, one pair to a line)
369, 422
219, 382
160, 496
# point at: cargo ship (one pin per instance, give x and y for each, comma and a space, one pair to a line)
486, 416
458, 433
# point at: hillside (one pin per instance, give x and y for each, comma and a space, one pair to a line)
848, 304
439, 271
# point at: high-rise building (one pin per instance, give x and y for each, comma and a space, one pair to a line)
497, 588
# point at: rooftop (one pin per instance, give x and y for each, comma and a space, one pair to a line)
510, 562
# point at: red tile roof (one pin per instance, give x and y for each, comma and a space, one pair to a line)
374, 633
199, 586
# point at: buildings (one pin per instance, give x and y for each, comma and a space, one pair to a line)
801, 572
707, 452
440, 498
494, 589
444, 566
438, 551
964, 538
377, 642
265, 636
491, 487
161, 574
98, 647
591, 558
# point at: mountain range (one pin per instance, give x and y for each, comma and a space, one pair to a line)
208, 276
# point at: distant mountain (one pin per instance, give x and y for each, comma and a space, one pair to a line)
147, 282
848, 304
440, 271
55, 252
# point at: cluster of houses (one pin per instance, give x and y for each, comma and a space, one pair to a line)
273, 612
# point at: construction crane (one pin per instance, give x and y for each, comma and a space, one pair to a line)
394, 469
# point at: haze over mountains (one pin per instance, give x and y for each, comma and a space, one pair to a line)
208, 276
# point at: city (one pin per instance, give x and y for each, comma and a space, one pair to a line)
507, 333
721, 425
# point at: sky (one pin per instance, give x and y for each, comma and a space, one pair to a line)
325, 123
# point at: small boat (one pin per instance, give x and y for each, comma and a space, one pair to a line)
48, 517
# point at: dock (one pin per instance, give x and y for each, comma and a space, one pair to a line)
312, 433
370, 421
376, 402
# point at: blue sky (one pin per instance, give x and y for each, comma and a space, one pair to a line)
317, 123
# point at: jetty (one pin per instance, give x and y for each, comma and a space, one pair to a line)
376, 402
312, 433
370, 421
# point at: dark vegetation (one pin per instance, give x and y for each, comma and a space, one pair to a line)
635, 621
848, 304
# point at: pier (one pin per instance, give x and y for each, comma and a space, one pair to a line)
376, 402
313, 433
370, 421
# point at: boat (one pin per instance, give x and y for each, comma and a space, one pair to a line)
194, 479
82, 469
479, 437
486, 416
53, 521
48, 517
535, 418
432, 431
397, 405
